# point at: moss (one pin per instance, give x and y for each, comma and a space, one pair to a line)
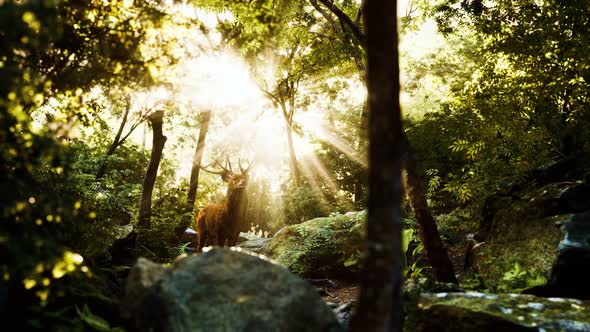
530, 243
489, 312
321, 247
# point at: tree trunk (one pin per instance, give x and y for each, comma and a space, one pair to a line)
294, 167
380, 299
435, 250
145, 207
288, 122
427, 228
194, 181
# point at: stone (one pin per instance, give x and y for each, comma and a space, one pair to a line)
225, 289
571, 271
466, 312
257, 245
516, 246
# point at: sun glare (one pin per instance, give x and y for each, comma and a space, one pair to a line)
217, 82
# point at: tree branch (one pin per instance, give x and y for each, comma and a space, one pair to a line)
345, 21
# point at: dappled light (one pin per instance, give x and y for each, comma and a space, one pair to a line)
140, 138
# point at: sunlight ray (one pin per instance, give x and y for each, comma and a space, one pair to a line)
311, 176
321, 170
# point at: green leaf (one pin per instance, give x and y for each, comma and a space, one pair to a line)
406, 239
96, 322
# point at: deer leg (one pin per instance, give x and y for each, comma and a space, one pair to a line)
233, 240
201, 237
221, 239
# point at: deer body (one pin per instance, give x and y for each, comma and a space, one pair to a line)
219, 224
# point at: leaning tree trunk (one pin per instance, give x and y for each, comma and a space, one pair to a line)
380, 299
435, 250
145, 207
194, 181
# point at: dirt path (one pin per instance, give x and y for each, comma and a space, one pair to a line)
343, 292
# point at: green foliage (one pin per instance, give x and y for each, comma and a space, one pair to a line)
415, 269
170, 217
97, 323
301, 204
518, 279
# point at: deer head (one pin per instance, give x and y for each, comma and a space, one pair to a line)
235, 180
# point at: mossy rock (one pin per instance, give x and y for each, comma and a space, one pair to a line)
518, 245
223, 289
480, 312
322, 247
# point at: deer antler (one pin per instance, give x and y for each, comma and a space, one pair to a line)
242, 170
216, 162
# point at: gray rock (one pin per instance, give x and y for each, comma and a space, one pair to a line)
141, 277
225, 290
257, 245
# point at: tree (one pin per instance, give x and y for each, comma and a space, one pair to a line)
156, 120
352, 35
120, 136
381, 282
523, 104
194, 180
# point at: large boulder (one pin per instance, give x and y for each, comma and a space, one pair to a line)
571, 271
466, 312
520, 233
323, 247
223, 290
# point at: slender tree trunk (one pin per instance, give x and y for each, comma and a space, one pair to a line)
143, 136
364, 127
435, 250
380, 299
293, 157
194, 181
116, 143
145, 207
294, 167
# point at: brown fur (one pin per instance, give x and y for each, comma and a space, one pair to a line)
219, 224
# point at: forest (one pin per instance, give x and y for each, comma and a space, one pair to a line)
295, 165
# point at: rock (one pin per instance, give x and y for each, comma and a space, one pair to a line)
257, 245
517, 243
412, 290
480, 312
188, 235
247, 237
321, 248
344, 312
224, 290
121, 251
565, 169
518, 236
559, 198
571, 271
141, 277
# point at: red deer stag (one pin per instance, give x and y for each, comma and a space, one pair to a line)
218, 224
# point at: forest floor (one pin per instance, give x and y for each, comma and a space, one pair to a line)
343, 292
